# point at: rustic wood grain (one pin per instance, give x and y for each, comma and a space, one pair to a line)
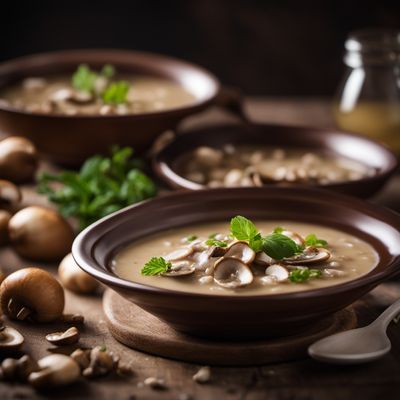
303, 380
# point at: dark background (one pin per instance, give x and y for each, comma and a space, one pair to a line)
265, 47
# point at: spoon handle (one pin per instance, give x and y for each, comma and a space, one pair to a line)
386, 317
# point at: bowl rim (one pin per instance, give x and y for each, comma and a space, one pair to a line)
164, 171
17, 63
83, 257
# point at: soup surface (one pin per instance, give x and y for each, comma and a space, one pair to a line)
56, 95
343, 258
244, 165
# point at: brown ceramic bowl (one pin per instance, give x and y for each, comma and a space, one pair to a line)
237, 317
70, 139
344, 144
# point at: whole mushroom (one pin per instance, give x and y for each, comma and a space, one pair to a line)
55, 370
18, 159
74, 278
32, 293
5, 217
40, 234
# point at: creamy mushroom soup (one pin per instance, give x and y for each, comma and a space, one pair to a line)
89, 92
232, 166
208, 258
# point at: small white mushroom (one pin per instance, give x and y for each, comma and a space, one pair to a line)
263, 259
204, 280
180, 268
208, 156
232, 273
277, 271
55, 370
203, 375
309, 255
242, 251
70, 336
179, 254
10, 338
233, 177
155, 383
268, 280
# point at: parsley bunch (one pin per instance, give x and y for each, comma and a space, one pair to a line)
103, 185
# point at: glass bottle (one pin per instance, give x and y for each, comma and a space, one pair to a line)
368, 100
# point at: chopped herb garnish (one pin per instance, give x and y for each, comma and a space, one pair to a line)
212, 236
108, 71
103, 185
312, 240
300, 275
84, 78
156, 266
191, 238
215, 242
279, 229
116, 93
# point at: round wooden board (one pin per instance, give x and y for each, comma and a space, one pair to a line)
136, 328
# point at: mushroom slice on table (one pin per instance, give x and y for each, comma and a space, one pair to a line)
179, 254
263, 259
10, 338
278, 272
242, 251
180, 268
70, 336
309, 255
232, 273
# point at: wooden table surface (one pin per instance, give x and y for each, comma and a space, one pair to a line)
304, 379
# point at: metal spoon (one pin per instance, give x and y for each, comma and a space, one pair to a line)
357, 346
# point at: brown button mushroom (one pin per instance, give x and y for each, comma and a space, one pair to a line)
74, 278
5, 217
40, 234
9, 193
32, 293
55, 370
18, 159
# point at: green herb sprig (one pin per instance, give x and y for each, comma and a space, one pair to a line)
312, 240
156, 266
103, 185
275, 245
301, 275
116, 93
215, 242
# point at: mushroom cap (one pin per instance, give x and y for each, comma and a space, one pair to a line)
179, 254
309, 255
263, 259
40, 234
70, 336
10, 339
180, 268
55, 370
18, 159
9, 193
74, 278
242, 251
231, 272
277, 271
5, 217
34, 289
